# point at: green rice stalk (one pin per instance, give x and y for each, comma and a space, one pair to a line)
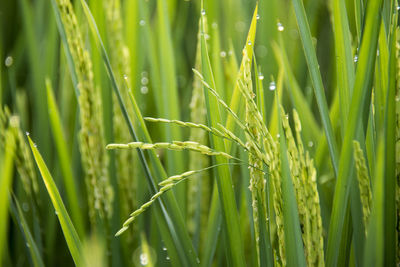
70, 234
92, 140
223, 132
174, 146
198, 190
363, 181
308, 198
233, 238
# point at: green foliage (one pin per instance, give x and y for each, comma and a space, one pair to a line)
165, 127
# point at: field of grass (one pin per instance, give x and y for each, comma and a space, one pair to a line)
199, 133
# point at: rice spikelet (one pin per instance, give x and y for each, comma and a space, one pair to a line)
363, 182
91, 136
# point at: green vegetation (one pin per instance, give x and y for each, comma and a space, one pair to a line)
199, 133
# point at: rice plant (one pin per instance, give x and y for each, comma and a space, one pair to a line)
199, 133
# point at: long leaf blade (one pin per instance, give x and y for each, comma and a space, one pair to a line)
70, 234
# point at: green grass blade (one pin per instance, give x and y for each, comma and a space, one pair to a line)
359, 17
70, 234
374, 247
293, 241
344, 58
65, 160
213, 229
30, 242
313, 67
224, 181
390, 154
7, 170
358, 104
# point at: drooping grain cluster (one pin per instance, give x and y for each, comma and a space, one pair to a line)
91, 135
363, 181
23, 157
175, 145
304, 179
166, 185
253, 137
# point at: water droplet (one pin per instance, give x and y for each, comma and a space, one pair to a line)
203, 12
167, 258
377, 53
144, 90
214, 25
355, 58
280, 27
27, 245
142, 22
198, 260
206, 36
56, 213
144, 259
249, 43
35, 145
272, 86
397, 98
278, 135
260, 76
222, 54
310, 144
27, 133
398, 7
9, 61
164, 248
125, 77
258, 16
144, 74
144, 80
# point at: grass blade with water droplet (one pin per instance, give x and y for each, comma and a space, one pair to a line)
30, 242
70, 234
